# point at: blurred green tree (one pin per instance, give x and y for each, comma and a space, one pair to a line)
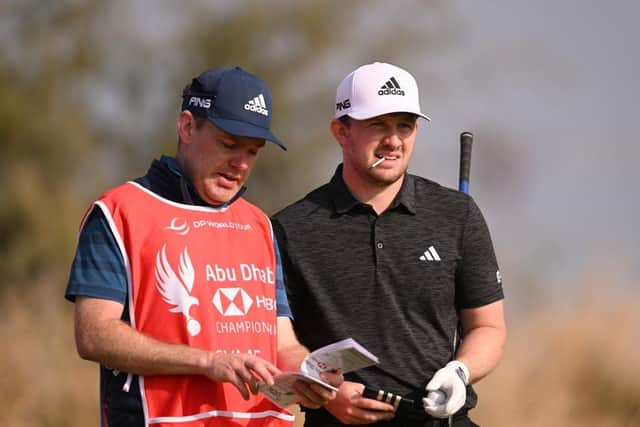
46, 136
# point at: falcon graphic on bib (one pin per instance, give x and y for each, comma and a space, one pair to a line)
176, 288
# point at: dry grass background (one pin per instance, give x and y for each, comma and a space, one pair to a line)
569, 366
575, 363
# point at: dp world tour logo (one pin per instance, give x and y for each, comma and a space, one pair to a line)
176, 288
178, 225
232, 301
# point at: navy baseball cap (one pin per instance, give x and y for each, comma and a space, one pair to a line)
234, 100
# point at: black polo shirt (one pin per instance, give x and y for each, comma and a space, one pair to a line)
393, 281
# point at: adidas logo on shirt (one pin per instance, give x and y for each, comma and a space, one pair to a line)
430, 255
391, 87
257, 105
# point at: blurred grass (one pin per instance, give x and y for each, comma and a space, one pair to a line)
573, 363
42, 380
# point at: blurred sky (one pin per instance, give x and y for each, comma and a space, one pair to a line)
550, 90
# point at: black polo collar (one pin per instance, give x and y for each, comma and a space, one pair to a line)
344, 201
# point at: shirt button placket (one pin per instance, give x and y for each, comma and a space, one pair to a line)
374, 223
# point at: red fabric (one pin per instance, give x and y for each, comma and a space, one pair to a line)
204, 278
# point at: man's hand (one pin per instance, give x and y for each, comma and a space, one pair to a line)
447, 390
244, 371
351, 408
314, 395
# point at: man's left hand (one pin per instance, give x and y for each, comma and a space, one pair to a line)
351, 407
314, 395
447, 390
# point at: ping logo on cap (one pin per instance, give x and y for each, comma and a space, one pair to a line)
196, 101
343, 105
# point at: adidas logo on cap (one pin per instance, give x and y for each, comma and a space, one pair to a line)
361, 97
391, 87
257, 105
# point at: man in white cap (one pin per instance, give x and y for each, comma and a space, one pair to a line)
395, 261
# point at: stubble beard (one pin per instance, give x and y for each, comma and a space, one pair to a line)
382, 178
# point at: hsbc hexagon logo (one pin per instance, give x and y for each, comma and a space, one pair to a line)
232, 301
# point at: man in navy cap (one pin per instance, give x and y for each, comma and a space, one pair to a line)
177, 280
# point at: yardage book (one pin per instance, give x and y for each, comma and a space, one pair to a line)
346, 355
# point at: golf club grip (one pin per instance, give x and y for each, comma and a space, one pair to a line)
466, 142
385, 396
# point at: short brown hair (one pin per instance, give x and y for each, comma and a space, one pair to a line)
345, 120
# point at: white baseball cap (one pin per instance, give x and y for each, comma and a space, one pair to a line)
376, 89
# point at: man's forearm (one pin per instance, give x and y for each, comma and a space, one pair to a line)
484, 335
115, 344
481, 350
102, 337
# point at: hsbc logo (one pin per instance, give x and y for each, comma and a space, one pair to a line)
232, 301
196, 101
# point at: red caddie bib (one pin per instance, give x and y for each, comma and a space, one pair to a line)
202, 277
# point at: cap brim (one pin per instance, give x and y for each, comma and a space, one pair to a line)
238, 128
364, 115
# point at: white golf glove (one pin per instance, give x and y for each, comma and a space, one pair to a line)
447, 390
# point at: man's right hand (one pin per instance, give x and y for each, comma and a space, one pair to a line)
244, 371
351, 408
